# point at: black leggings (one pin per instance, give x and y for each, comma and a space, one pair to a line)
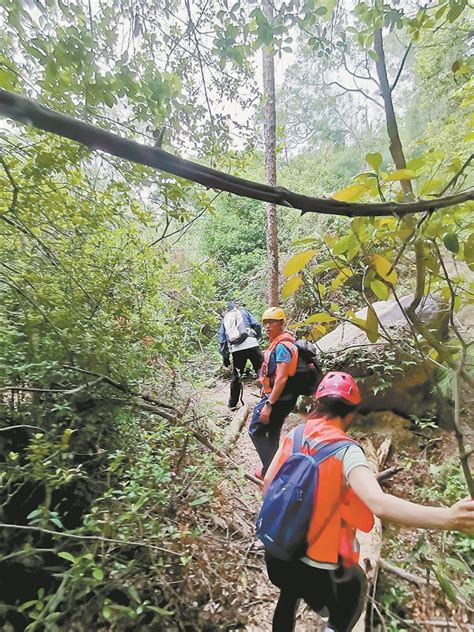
341, 591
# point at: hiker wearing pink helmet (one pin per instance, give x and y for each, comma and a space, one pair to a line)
313, 506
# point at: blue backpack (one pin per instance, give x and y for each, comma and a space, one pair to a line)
283, 521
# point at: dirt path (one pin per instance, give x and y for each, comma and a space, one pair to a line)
262, 595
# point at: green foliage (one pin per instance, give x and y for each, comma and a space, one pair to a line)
234, 236
96, 303
86, 299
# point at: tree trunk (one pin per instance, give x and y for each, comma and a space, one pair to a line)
395, 146
270, 159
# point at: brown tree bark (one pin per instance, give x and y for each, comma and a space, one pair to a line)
29, 112
270, 159
395, 146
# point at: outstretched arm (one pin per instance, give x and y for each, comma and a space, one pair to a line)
403, 512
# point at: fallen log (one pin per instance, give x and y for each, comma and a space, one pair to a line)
371, 543
236, 426
205, 441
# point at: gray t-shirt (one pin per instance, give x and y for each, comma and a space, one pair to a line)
351, 457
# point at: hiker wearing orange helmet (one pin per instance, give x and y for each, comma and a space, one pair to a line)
326, 574
280, 360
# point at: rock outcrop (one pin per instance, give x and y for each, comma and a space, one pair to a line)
393, 376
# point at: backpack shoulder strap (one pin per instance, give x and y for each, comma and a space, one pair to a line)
330, 449
298, 438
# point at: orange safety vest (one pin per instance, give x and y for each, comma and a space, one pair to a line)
267, 380
338, 510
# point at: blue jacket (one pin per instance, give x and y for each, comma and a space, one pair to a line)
249, 320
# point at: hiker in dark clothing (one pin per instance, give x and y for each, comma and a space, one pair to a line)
280, 361
238, 336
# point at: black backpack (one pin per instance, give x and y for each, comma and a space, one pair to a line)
308, 374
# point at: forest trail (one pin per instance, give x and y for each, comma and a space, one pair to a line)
260, 599
255, 595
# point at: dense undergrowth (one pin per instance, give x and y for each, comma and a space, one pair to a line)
103, 488
111, 292
442, 561
117, 523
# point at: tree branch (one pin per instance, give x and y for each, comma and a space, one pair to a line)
357, 89
15, 187
464, 454
60, 391
400, 70
96, 538
123, 388
27, 111
456, 176
403, 574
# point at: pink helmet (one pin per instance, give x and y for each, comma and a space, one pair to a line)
342, 385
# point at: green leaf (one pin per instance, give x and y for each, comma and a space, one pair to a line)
381, 291
317, 332
382, 267
56, 521
98, 573
456, 8
162, 611
67, 556
8, 79
400, 174
350, 193
446, 586
451, 242
469, 252
372, 325
320, 317
305, 240
290, 287
341, 245
358, 322
298, 262
133, 592
457, 565
200, 501
374, 161
341, 278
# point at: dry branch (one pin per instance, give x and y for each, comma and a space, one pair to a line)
389, 472
29, 112
236, 426
400, 572
96, 538
371, 543
171, 413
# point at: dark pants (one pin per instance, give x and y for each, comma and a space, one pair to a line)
266, 437
342, 592
239, 360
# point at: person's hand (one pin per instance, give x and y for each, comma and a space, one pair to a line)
265, 414
461, 516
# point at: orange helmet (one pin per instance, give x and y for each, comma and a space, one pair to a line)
341, 385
